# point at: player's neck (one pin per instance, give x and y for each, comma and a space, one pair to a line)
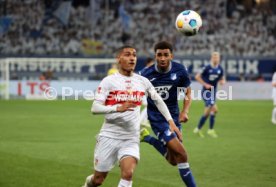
160, 70
126, 73
214, 65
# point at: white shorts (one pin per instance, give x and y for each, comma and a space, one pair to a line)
108, 151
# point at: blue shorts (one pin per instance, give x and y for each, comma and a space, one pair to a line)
208, 98
162, 131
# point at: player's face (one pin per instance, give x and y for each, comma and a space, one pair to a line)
163, 58
127, 59
215, 58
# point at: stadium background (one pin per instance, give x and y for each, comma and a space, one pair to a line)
71, 43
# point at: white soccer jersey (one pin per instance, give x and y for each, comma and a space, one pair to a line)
114, 90
274, 88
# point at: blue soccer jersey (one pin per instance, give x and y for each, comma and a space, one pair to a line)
210, 75
143, 70
167, 85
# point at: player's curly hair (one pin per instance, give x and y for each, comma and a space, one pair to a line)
163, 45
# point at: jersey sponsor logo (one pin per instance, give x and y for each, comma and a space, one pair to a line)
213, 77
173, 76
162, 89
121, 96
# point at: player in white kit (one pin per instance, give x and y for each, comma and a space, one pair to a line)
274, 98
119, 97
144, 114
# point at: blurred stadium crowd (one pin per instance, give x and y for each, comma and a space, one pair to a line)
95, 27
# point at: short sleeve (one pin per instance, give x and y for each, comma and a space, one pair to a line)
204, 71
185, 79
221, 74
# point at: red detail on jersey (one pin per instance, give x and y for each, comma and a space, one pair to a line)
121, 96
19, 89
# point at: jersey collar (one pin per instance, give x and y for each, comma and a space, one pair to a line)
159, 71
214, 66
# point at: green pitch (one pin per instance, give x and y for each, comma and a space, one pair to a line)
50, 144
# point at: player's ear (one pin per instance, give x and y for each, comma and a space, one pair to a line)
155, 56
118, 58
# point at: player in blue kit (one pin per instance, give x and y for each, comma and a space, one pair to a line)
169, 78
210, 76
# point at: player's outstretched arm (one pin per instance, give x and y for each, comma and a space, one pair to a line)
99, 108
183, 116
175, 129
201, 81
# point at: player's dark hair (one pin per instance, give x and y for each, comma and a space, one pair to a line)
274, 69
148, 60
119, 50
163, 45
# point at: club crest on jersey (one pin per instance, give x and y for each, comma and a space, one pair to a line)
173, 76
128, 84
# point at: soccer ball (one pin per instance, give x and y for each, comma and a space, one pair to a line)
188, 22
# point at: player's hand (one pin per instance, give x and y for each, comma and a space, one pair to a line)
222, 82
175, 129
208, 86
127, 106
183, 117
